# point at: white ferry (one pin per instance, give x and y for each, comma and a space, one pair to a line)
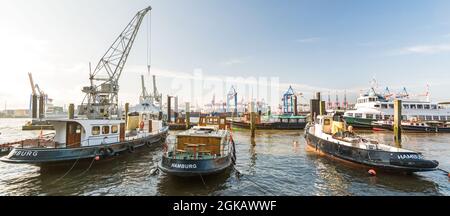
373, 107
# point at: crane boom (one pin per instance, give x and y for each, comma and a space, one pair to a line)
33, 89
102, 95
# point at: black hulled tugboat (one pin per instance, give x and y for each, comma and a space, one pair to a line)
203, 150
329, 136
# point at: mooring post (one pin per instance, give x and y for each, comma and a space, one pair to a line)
398, 122
175, 109
295, 105
252, 119
71, 111
188, 115
322, 108
41, 107
34, 108
169, 116
127, 110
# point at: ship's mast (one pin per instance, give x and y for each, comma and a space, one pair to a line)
101, 100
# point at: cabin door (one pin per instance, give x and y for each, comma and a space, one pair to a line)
73, 136
122, 132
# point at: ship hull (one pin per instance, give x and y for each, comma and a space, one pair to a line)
404, 162
360, 123
190, 168
272, 126
415, 129
61, 156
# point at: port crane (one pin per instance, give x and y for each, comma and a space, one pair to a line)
101, 101
37, 94
232, 95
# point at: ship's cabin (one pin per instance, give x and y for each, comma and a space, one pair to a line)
209, 140
83, 133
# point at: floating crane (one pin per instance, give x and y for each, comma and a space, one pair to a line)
101, 101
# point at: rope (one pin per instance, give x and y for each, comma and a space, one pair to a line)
204, 184
84, 172
261, 188
444, 171
149, 35
67, 173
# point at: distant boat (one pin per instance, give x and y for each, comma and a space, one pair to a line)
203, 150
328, 135
414, 126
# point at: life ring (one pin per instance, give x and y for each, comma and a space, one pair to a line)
141, 125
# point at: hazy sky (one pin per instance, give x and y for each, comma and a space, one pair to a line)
313, 45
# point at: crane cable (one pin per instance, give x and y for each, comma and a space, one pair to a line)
149, 36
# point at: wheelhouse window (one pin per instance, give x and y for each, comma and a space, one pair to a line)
429, 118
377, 105
413, 106
391, 106
443, 118
105, 130
436, 118
369, 116
419, 106
326, 122
405, 106
378, 117
426, 106
386, 117
114, 129
358, 115
350, 114
96, 130
433, 106
384, 106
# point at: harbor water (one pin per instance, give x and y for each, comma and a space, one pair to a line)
276, 163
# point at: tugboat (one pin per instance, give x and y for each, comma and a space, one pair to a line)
98, 131
203, 150
328, 135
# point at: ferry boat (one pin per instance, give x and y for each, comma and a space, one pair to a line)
99, 131
328, 135
203, 150
374, 106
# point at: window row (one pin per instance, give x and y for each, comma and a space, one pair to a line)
105, 130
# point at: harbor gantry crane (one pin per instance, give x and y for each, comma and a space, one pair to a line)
101, 101
232, 95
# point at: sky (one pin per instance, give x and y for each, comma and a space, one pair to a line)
314, 45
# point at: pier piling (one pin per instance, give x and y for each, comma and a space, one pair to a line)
169, 116
188, 115
398, 122
41, 107
34, 106
127, 110
252, 119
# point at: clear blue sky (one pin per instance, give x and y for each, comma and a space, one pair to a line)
331, 45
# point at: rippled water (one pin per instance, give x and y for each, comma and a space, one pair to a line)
277, 164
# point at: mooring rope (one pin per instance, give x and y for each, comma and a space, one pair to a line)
67, 173
261, 188
87, 170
